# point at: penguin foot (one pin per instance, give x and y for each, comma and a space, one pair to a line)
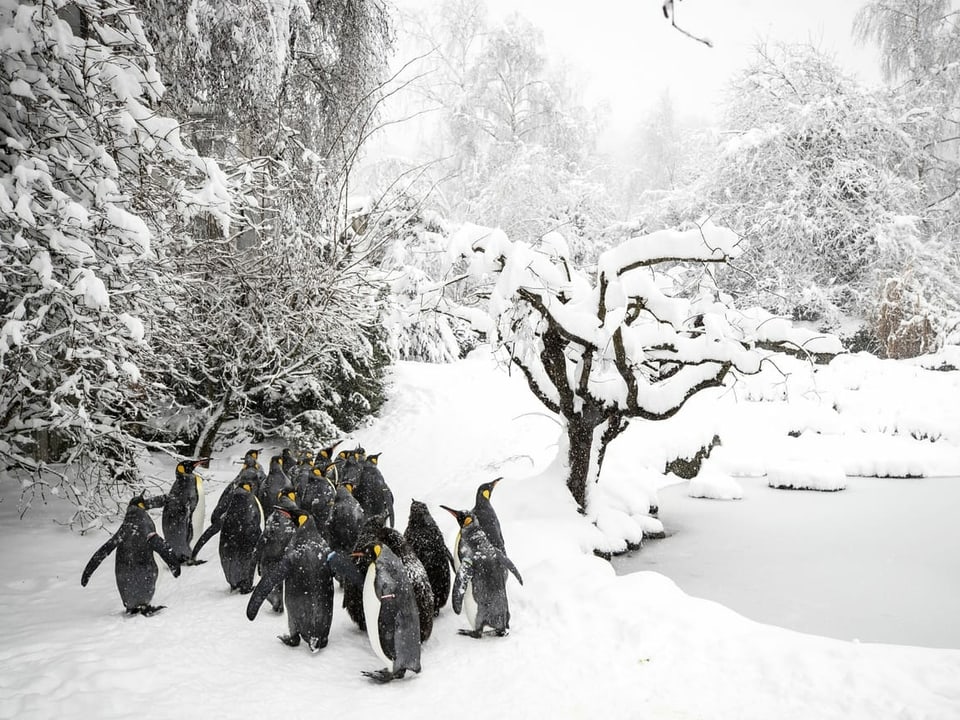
145, 610
385, 675
278, 608
192, 561
290, 640
477, 634
502, 633
317, 644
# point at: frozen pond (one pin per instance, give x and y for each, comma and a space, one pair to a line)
877, 562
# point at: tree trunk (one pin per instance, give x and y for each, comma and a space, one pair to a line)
586, 446
204, 446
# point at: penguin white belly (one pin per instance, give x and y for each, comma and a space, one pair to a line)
456, 553
371, 613
198, 512
260, 509
470, 606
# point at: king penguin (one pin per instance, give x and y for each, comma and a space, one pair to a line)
184, 508
393, 625
135, 541
278, 529
487, 516
479, 588
238, 518
306, 571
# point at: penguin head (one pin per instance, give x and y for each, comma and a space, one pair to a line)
250, 459
373, 459
287, 505
300, 517
288, 493
276, 462
464, 517
187, 467
137, 501
370, 552
486, 489
348, 487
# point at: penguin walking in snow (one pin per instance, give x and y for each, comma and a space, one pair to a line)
393, 625
306, 573
479, 587
374, 532
184, 508
424, 537
135, 541
372, 491
278, 530
238, 518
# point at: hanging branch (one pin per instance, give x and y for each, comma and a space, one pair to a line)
669, 12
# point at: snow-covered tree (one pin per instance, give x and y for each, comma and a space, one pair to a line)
637, 342
92, 179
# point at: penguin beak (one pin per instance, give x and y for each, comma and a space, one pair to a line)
449, 510
357, 554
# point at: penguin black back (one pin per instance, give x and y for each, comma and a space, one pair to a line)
424, 537
346, 519
238, 518
487, 516
306, 573
278, 529
135, 542
416, 574
372, 491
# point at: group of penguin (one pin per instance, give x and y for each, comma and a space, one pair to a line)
312, 520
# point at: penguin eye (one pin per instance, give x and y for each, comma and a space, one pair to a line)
467, 520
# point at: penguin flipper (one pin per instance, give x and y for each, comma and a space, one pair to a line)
453, 565
345, 568
162, 548
157, 501
207, 534
98, 557
508, 564
464, 576
267, 583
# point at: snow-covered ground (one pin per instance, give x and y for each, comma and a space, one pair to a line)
584, 642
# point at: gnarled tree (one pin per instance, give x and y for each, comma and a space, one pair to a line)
635, 343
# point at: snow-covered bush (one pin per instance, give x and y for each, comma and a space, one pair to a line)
91, 178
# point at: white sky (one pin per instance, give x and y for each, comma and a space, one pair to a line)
630, 54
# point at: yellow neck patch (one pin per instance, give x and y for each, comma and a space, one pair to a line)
376, 550
301, 519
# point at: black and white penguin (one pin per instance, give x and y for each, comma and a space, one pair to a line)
306, 573
238, 518
424, 537
374, 532
349, 464
184, 509
135, 541
487, 516
372, 491
479, 588
346, 519
278, 530
388, 597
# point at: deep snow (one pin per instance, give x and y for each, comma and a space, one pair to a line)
584, 642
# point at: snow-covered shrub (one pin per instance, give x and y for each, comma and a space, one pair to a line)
91, 180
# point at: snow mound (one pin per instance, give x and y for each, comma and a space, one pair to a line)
807, 475
714, 485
